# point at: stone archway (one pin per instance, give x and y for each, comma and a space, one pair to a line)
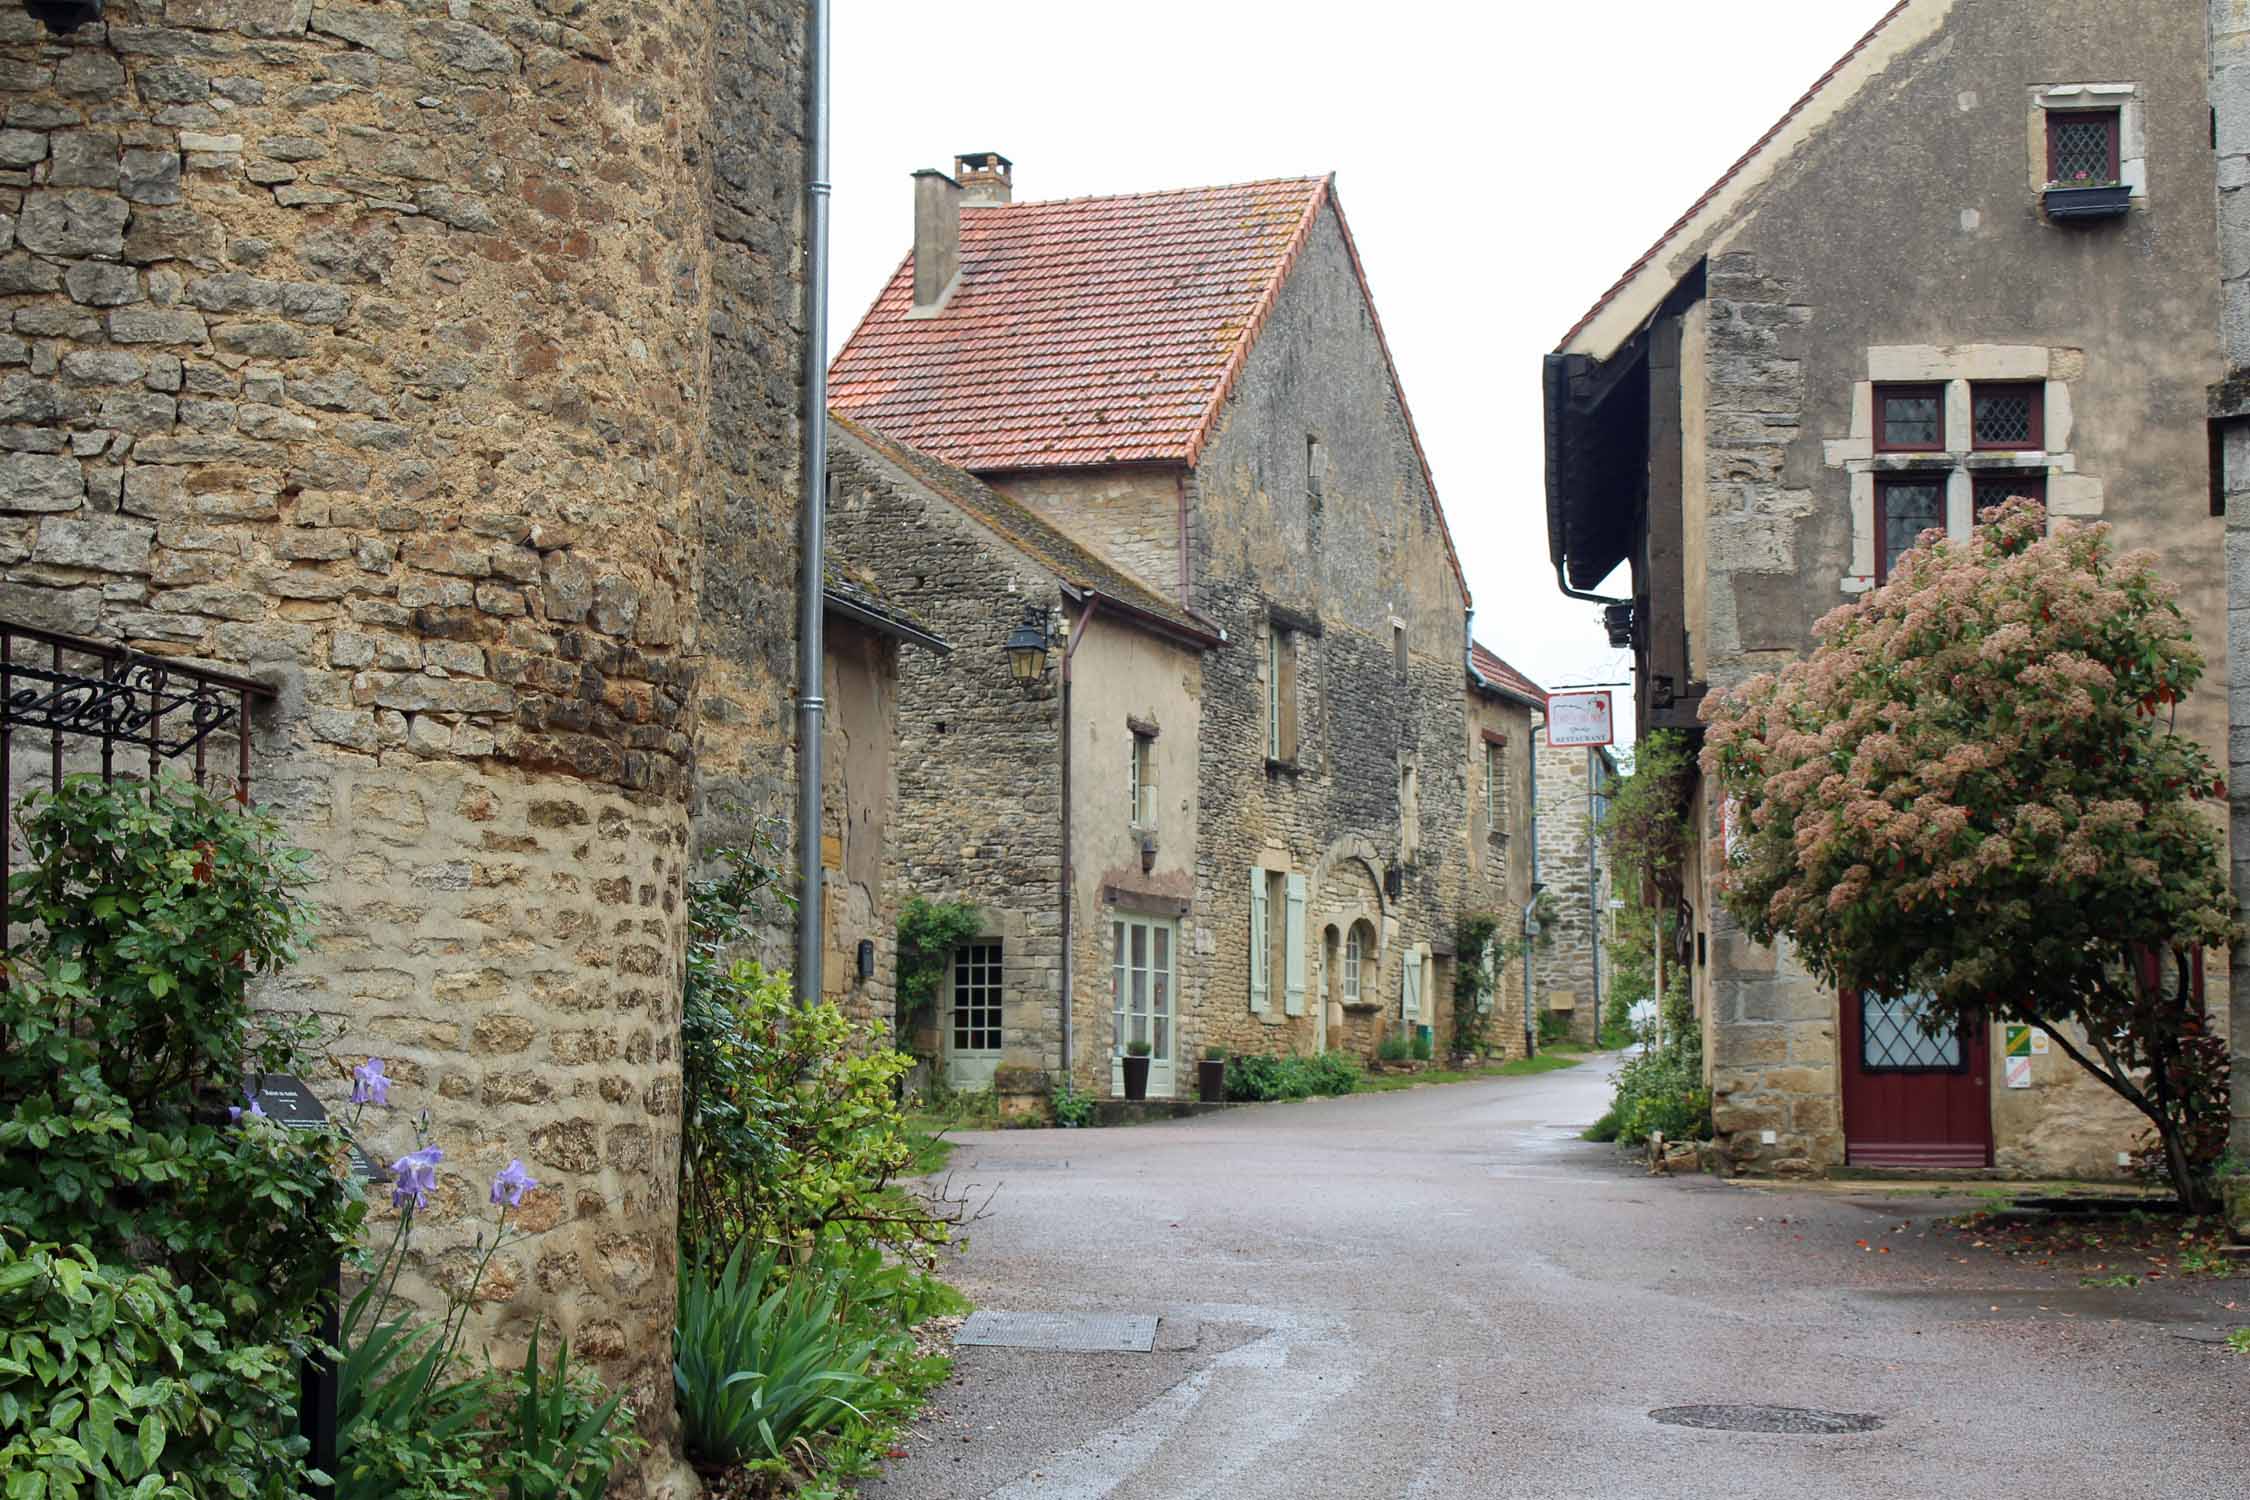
1348, 898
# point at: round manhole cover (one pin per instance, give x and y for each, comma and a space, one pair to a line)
1790, 1419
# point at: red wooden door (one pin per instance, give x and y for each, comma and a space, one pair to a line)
1912, 1099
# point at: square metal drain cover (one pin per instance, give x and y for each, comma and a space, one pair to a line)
1091, 1333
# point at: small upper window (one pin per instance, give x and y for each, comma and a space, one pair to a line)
1495, 763
1281, 694
1316, 463
1398, 649
1910, 418
2007, 416
2082, 147
1143, 784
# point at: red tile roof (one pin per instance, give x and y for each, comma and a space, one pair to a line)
1092, 331
1729, 175
1082, 331
1503, 676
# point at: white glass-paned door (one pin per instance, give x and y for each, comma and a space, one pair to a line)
1143, 989
975, 1016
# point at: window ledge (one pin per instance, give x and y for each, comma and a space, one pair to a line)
1362, 1007
2073, 204
1287, 768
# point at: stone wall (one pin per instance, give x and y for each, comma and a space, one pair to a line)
2230, 401
1364, 559
1566, 963
388, 352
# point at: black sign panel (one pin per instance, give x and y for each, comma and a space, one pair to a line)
293, 1106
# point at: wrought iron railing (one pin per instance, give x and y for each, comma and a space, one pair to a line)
69, 691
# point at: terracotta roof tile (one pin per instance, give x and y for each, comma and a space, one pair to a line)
1091, 331
1082, 331
1503, 676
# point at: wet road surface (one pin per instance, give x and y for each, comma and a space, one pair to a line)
1443, 1292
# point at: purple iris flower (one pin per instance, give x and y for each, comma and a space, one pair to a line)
369, 1086
512, 1183
416, 1174
248, 1106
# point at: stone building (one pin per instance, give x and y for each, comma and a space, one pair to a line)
1192, 387
1074, 791
2229, 411
1574, 886
1504, 712
437, 365
1880, 318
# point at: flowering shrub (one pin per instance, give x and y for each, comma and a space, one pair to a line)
1972, 789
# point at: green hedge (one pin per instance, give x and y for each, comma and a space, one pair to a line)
1256, 1077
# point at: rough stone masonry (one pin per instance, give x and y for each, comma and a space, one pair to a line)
370, 349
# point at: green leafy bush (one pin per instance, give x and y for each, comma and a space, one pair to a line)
126, 1034
115, 1381
1393, 1049
1254, 1077
1423, 1046
1554, 1027
1072, 1110
1663, 1090
792, 1121
928, 932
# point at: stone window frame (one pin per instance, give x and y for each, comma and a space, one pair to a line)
1957, 367
2127, 99
1495, 787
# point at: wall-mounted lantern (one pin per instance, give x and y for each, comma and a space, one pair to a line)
1027, 647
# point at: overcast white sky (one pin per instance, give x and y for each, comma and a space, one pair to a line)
1501, 164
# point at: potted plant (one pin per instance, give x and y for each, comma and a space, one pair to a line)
1136, 1070
1211, 1075
2085, 196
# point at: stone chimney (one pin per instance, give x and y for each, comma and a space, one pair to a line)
986, 178
937, 239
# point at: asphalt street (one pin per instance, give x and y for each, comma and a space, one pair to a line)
1443, 1292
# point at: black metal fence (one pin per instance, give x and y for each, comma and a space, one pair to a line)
73, 699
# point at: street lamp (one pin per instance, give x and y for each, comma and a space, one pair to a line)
1027, 647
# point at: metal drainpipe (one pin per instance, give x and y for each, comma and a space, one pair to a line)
1530, 1021
1069, 964
1594, 887
812, 525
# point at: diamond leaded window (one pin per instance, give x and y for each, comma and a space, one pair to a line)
2007, 416
1910, 418
1989, 489
1893, 1037
1906, 505
2082, 148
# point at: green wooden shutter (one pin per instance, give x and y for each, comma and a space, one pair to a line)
1293, 956
1410, 988
1259, 949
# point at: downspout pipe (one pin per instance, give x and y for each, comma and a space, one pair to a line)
1069, 872
1531, 1021
812, 519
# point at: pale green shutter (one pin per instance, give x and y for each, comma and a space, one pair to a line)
1410, 988
1259, 955
1293, 957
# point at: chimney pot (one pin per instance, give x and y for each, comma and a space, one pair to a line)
986, 178
937, 239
